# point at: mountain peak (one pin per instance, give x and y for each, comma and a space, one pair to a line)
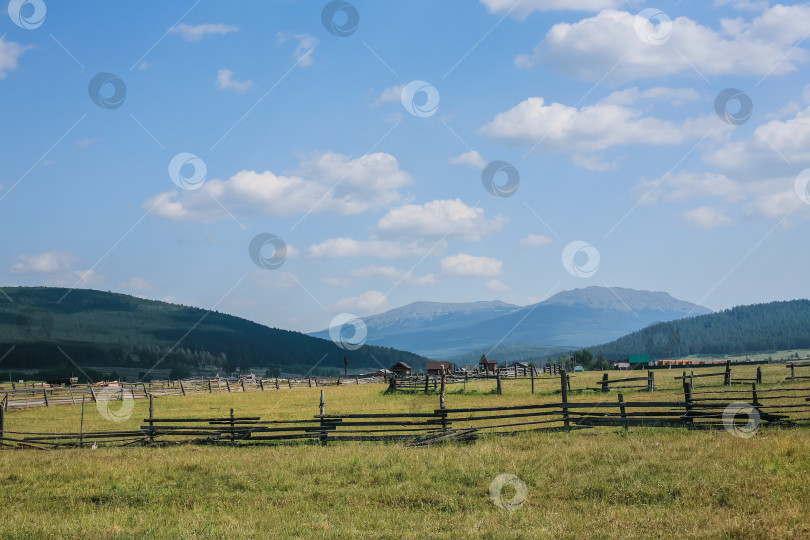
623, 300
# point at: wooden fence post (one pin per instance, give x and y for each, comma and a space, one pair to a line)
792, 372
755, 399
691, 379
233, 435
289, 383
727, 376
243, 386
277, 383
442, 404
532, 372
210, 390
81, 426
322, 408
604, 382
650, 380
759, 374
261, 384
182, 388
45, 395
623, 410
564, 391
2, 424
151, 418
687, 398
498, 389
227, 385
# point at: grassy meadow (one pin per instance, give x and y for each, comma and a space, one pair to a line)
600, 483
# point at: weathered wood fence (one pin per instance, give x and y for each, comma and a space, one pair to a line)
711, 409
726, 374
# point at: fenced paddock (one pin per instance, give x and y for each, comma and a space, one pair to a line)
690, 408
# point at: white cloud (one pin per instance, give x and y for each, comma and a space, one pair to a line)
589, 48
9, 55
471, 158
496, 285
303, 49
593, 162
77, 279
392, 94
774, 199
469, 265
136, 283
325, 183
367, 302
225, 81
51, 262
197, 32
779, 147
560, 128
384, 249
448, 217
522, 8
535, 240
706, 217
671, 96
684, 185
394, 275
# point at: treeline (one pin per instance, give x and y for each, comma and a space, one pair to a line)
98, 329
743, 329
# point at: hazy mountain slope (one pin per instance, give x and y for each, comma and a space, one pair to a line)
753, 328
107, 329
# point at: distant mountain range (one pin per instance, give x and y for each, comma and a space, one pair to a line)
570, 319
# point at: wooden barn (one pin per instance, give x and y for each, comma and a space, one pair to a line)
486, 365
435, 368
401, 368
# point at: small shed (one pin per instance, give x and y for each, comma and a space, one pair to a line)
435, 368
401, 368
486, 365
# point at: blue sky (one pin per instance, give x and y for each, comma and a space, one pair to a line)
604, 109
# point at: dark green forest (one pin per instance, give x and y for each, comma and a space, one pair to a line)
104, 329
744, 329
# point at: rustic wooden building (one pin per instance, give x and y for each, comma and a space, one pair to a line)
401, 368
486, 365
435, 368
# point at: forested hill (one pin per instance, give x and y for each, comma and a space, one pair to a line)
755, 328
107, 329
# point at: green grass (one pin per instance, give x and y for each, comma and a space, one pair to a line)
602, 483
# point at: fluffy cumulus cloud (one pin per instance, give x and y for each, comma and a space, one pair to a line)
775, 148
325, 183
607, 45
191, 32
368, 302
496, 285
466, 265
706, 217
304, 47
684, 185
535, 240
392, 94
611, 122
393, 275
10, 53
57, 269
440, 218
521, 8
225, 81
345, 248
471, 158
51, 262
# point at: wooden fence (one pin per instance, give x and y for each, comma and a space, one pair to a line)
727, 374
795, 365
45, 395
710, 409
